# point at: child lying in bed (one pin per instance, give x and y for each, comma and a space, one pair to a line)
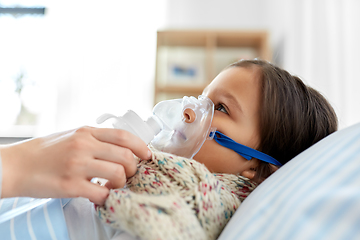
264, 117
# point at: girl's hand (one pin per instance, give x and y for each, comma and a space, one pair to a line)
61, 165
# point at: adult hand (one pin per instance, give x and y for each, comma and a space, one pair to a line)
62, 164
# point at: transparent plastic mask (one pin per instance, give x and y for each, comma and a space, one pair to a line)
186, 125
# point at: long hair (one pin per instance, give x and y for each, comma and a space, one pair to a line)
293, 116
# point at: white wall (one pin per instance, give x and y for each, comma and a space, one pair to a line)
215, 14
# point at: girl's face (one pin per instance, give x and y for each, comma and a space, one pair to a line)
236, 96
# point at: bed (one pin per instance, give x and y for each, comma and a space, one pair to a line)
314, 196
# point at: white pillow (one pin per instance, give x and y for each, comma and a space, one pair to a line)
314, 196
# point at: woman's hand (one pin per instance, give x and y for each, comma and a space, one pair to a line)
62, 164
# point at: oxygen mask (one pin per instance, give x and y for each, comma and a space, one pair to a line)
177, 126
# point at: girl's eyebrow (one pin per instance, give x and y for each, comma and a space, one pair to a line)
231, 98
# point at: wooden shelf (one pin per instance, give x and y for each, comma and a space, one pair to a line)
177, 89
181, 38
188, 60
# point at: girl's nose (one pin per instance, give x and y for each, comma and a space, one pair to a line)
189, 115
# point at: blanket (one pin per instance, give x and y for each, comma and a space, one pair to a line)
172, 197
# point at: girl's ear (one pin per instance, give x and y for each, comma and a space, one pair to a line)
273, 168
250, 173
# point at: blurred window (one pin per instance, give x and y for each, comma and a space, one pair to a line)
23, 84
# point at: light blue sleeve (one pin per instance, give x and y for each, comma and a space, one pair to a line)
0, 175
45, 221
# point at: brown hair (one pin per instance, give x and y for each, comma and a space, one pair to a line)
293, 116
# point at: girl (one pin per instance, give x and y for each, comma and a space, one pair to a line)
264, 117
266, 108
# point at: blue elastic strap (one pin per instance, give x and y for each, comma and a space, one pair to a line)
246, 152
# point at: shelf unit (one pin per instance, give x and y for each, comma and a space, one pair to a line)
187, 60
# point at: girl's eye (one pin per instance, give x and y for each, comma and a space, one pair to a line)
221, 108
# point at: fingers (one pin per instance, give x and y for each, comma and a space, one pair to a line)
124, 139
95, 193
108, 185
116, 154
113, 172
112, 158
